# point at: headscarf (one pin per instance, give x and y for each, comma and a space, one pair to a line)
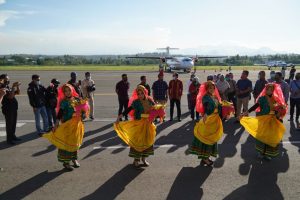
61, 96
277, 94
134, 97
202, 92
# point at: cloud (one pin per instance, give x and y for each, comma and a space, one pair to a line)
2, 2
7, 14
12, 14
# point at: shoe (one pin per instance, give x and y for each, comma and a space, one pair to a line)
171, 119
41, 134
10, 142
179, 120
17, 139
68, 167
145, 162
206, 162
76, 163
91, 117
136, 163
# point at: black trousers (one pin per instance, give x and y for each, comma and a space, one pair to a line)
193, 113
51, 116
173, 102
232, 98
295, 102
123, 103
11, 123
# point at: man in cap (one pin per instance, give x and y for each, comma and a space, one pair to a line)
51, 101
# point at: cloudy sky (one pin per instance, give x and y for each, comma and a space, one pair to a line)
133, 26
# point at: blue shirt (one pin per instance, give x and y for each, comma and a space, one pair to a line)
295, 89
244, 84
160, 89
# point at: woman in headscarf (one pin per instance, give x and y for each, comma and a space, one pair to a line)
267, 127
68, 135
223, 87
209, 129
139, 133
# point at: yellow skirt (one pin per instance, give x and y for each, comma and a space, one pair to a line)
138, 134
68, 136
265, 128
211, 131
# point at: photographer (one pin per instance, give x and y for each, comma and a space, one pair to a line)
10, 108
88, 88
51, 101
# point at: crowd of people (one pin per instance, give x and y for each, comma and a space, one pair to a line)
64, 107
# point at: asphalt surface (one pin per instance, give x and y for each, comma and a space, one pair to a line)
31, 170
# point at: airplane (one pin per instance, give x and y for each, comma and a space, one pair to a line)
278, 63
169, 63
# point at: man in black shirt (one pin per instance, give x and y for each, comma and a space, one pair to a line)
37, 99
10, 108
51, 101
75, 84
122, 88
144, 83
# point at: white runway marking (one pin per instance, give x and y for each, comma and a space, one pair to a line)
3, 125
2, 133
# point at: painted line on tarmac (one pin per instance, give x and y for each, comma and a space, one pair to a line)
3, 125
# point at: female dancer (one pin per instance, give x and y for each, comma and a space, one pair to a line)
209, 129
68, 136
140, 132
267, 127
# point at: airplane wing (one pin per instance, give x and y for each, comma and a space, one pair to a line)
208, 57
150, 57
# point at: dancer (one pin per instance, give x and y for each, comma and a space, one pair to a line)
267, 127
67, 136
209, 129
140, 132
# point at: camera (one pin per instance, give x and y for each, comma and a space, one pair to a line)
91, 88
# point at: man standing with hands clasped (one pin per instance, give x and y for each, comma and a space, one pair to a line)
243, 91
175, 93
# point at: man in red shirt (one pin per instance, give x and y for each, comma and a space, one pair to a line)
175, 93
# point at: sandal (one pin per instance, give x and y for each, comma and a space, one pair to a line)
145, 162
136, 163
76, 163
68, 167
206, 162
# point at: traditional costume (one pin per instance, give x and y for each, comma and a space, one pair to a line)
69, 135
267, 127
208, 133
139, 133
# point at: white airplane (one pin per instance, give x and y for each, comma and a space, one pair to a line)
274, 64
169, 63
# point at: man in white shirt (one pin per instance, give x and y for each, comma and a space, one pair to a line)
88, 88
188, 83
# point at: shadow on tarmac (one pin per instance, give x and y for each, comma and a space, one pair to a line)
180, 136
29, 186
188, 182
24, 138
228, 147
49, 149
116, 184
263, 175
294, 135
